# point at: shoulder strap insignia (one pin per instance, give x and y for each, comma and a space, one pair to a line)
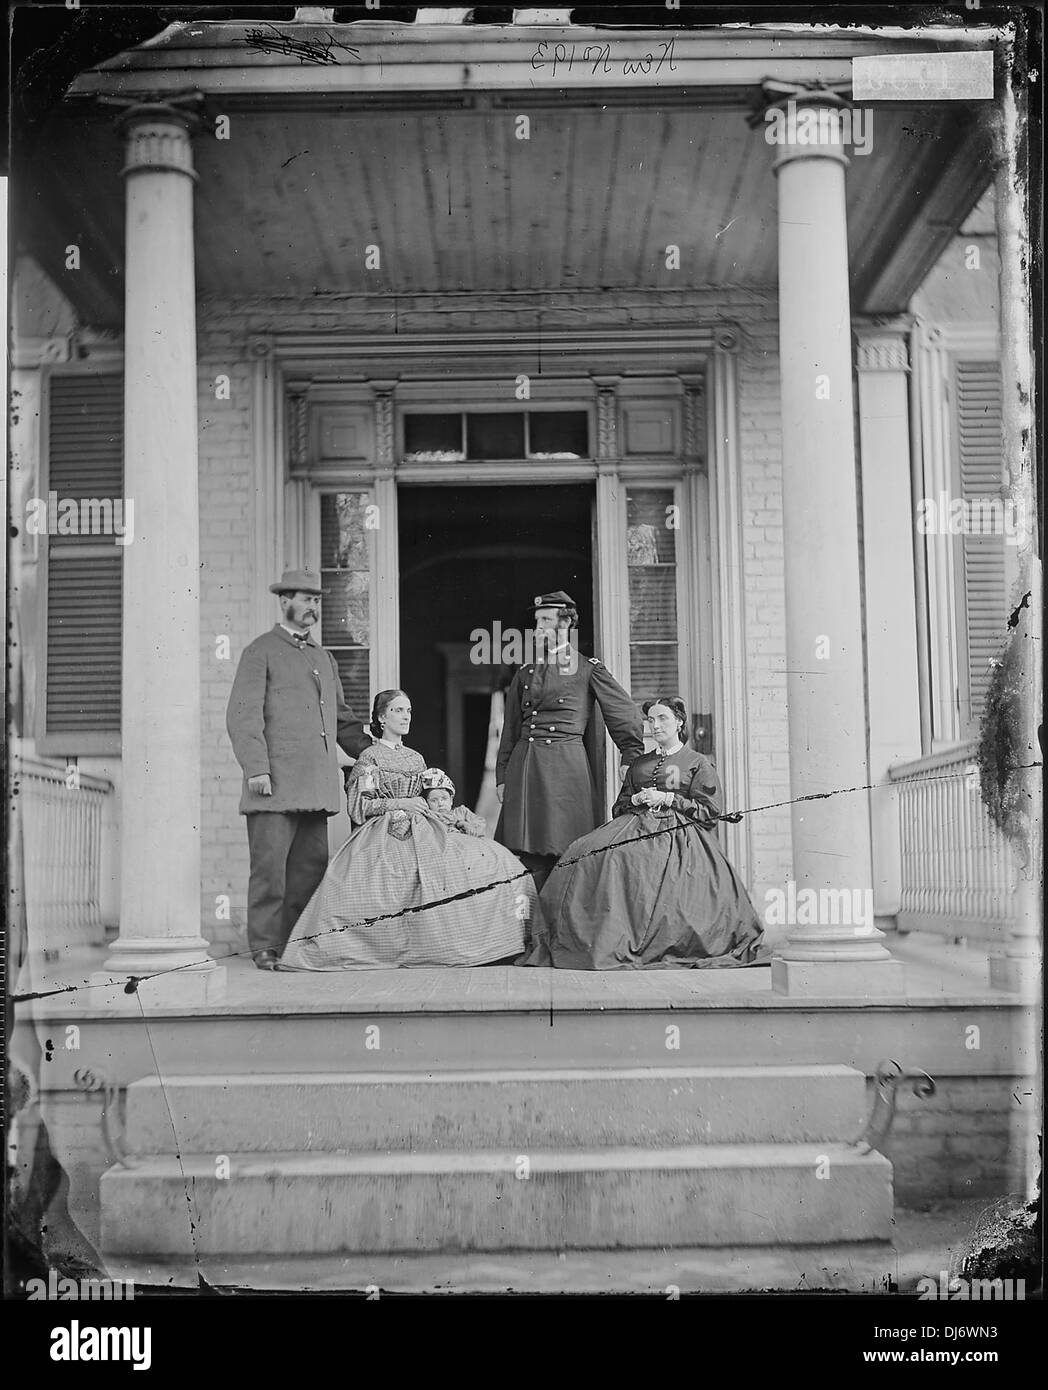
593, 661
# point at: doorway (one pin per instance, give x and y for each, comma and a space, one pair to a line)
471, 557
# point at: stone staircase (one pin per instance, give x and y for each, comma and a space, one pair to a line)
604, 1158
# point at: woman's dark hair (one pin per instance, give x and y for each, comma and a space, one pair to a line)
383, 700
676, 704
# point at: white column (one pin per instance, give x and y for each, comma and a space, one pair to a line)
160, 906
931, 369
826, 953
1020, 970
731, 707
882, 363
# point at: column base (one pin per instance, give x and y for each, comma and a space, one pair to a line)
168, 972
876, 979
1017, 975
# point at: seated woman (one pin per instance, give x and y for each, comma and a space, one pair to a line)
668, 899
400, 856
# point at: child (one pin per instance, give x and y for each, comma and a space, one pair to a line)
438, 790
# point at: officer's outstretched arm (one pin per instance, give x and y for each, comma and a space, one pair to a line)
621, 715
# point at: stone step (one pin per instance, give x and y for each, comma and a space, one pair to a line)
594, 1108
714, 1195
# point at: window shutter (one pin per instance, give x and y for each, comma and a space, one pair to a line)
84, 571
980, 456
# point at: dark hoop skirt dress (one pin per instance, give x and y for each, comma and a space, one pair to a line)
669, 900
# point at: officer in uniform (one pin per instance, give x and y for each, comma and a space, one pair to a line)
542, 773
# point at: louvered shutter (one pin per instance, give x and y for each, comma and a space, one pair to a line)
980, 462
85, 460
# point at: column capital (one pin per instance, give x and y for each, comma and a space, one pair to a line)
297, 412
882, 347
158, 136
806, 121
607, 416
385, 459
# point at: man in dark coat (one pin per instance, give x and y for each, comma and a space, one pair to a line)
285, 715
542, 773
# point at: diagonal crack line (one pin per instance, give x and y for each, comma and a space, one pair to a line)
174, 1134
131, 982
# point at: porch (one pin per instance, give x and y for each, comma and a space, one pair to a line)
303, 393
682, 389
949, 869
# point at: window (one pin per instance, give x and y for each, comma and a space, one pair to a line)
345, 578
496, 434
85, 471
651, 562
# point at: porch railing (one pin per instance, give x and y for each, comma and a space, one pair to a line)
62, 831
958, 875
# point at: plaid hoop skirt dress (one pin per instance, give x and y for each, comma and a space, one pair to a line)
392, 863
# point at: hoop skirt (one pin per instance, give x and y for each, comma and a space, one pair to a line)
671, 899
393, 862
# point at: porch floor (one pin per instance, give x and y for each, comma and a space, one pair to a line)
938, 972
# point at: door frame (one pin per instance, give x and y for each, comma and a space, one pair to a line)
372, 370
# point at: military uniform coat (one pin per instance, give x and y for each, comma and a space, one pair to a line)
548, 799
286, 714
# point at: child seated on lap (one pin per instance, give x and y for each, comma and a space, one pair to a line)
439, 790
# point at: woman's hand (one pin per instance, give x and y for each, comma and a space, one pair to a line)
650, 798
411, 803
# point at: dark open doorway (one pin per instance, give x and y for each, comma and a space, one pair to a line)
471, 557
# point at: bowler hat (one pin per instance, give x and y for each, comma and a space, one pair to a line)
297, 582
558, 599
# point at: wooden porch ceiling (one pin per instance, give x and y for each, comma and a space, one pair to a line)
456, 203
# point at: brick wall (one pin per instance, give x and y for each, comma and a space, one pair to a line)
226, 585
763, 559
975, 1137
226, 526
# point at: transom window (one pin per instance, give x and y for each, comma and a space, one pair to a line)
504, 434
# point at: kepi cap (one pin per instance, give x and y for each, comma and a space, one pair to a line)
558, 599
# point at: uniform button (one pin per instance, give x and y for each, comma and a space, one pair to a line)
527, 687
531, 740
552, 729
549, 740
